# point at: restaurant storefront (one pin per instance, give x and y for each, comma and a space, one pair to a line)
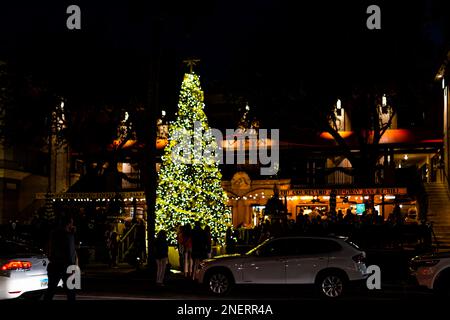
358, 200
247, 199
112, 207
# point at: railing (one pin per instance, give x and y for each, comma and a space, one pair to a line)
126, 242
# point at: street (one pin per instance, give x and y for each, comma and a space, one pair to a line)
127, 284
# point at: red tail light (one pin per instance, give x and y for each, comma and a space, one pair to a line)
359, 258
16, 265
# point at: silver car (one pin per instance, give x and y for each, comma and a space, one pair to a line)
22, 270
433, 272
329, 263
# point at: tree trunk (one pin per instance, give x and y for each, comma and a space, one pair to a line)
364, 171
148, 162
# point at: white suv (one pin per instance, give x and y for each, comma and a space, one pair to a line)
433, 271
329, 263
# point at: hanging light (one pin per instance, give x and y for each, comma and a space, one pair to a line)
338, 107
384, 108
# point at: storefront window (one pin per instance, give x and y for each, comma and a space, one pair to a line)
230, 214
258, 214
307, 209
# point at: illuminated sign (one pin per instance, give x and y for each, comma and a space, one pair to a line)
91, 195
344, 192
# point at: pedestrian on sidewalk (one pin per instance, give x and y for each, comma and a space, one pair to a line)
187, 244
107, 237
208, 241
140, 240
161, 254
62, 254
199, 246
114, 250
180, 243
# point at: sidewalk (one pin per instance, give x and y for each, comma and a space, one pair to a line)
104, 269
124, 270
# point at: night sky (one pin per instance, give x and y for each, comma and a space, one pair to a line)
274, 54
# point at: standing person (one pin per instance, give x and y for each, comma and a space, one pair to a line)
230, 242
113, 249
14, 230
140, 240
107, 236
187, 243
198, 246
208, 241
62, 254
161, 255
180, 232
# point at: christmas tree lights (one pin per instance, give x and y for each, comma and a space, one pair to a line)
189, 187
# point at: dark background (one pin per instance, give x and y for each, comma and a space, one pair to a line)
284, 57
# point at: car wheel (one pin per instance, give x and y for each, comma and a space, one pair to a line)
331, 285
219, 282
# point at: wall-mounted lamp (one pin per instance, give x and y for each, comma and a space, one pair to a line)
384, 107
338, 107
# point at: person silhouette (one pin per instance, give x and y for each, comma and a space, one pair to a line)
62, 254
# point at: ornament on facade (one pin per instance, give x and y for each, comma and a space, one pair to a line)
241, 181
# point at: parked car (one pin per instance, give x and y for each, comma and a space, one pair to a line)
433, 272
23, 269
330, 263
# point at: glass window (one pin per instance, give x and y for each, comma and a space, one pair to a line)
279, 247
316, 246
298, 247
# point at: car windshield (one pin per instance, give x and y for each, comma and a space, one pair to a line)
255, 249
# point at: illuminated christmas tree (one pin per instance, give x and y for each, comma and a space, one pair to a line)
189, 187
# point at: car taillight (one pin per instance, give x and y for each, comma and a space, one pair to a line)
359, 258
16, 265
